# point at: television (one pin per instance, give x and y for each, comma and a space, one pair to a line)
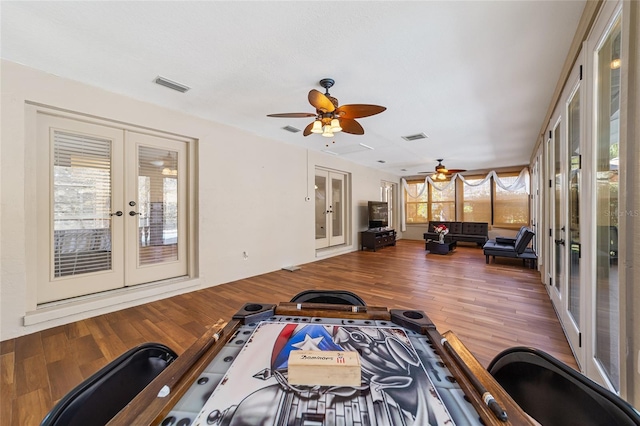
378, 214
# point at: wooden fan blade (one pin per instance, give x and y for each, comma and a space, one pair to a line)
454, 171
320, 101
307, 130
350, 125
292, 115
359, 110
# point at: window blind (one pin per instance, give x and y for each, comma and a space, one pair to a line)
81, 203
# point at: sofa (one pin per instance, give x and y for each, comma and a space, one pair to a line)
471, 232
513, 247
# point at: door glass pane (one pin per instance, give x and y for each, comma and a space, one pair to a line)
337, 194
321, 207
559, 230
386, 194
81, 204
573, 115
607, 160
157, 205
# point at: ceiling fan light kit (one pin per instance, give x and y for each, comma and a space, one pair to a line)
441, 171
331, 118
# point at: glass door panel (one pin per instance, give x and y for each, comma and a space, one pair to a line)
81, 204
386, 194
321, 210
573, 120
558, 222
157, 205
337, 209
607, 160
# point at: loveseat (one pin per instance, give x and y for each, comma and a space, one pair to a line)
512, 247
472, 232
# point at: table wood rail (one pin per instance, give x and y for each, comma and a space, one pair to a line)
156, 401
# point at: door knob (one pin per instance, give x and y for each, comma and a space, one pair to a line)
132, 213
118, 213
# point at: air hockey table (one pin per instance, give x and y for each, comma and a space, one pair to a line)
411, 374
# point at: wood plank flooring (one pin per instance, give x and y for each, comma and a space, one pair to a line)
490, 308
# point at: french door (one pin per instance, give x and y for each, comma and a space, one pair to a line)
564, 159
111, 208
330, 208
574, 306
604, 364
557, 232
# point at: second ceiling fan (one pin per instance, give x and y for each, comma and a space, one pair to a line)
331, 118
442, 173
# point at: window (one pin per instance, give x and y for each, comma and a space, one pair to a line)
417, 207
431, 204
510, 208
476, 206
478, 202
443, 201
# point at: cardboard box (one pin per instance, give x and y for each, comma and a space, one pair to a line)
324, 368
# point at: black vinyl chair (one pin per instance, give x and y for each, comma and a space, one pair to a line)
335, 297
555, 394
99, 398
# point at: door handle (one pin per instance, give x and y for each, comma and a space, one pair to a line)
132, 213
560, 242
118, 213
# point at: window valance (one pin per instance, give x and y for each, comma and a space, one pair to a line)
522, 182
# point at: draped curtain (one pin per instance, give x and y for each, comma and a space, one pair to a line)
522, 182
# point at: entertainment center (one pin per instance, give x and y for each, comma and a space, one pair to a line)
378, 235
377, 238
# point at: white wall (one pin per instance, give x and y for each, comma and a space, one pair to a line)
274, 224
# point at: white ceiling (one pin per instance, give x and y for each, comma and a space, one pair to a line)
476, 77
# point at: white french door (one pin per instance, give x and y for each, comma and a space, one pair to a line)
557, 234
605, 361
574, 306
155, 207
330, 208
564, 159
111, 208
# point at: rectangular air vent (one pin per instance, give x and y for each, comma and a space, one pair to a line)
291, 129
415, 137
171, 84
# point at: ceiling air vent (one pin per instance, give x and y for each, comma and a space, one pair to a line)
415, 137
171, 84
291, 129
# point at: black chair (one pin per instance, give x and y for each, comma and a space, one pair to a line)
555, 394
335, 297
100, 397
512, 247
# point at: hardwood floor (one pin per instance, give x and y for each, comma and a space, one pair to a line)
490, 308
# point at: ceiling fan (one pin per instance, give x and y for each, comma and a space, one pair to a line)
331, 118
442, 173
